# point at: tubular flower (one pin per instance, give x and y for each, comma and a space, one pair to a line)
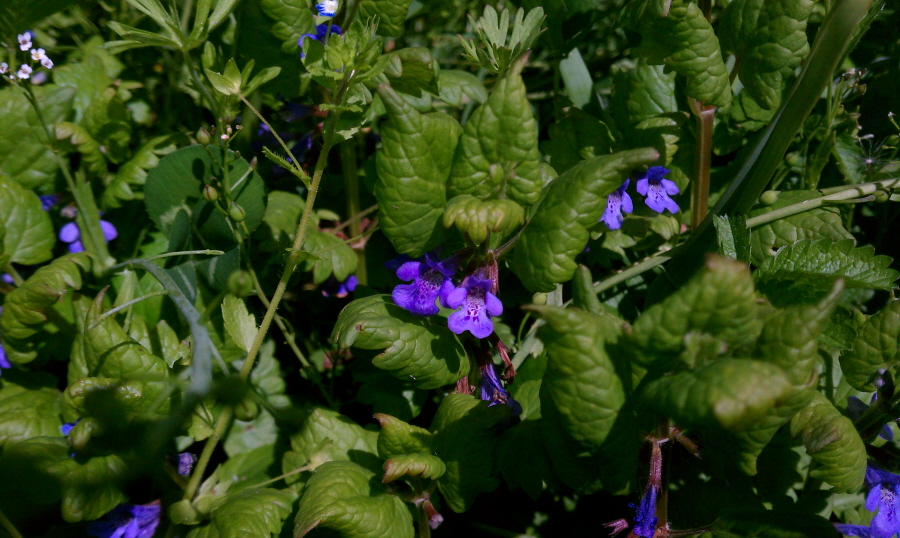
617, 203
478, 305
492, 390
645, 515
128, 521
431, 278
657, 189
70, 234
884, 497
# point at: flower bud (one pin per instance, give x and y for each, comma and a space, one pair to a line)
240, 284
246, 410
882, 196
210, 193
539, 298
184, 513
237, 212
769, 197
203, 136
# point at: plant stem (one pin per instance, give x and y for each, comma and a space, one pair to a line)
424, 525
351, 184
113, 311
296, 167
700, 185
10, 528
356, 217
222, 424
298, 470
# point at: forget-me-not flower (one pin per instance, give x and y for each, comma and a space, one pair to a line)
884, 497
492, 390
658, 189
431, 278
128, 521
70, 234
617, 203
321, 32
478, 305
25, 40
4, 68
327, 8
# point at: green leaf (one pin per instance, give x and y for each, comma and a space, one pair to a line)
790, 337
479, 219
576, 78
768, 37
734, 237
529, 468
526, 389
832, 441
771, 524
581, 378
15, 17
293, 19
239, 323
129, 180
819, 223
27, 411
391, 15
457, 87
397, 437
720, 302
558, 231
419, 465
41, 470
176, 185
876, 346
25, 308
329, 254
641, 93
24, 157
809, 267
342, 496
498, 153
411, 70
85, 144
419, 349
583, 295
283, 211
413, 165
465, 439
576, 137
29, 237
255, 512
677, 35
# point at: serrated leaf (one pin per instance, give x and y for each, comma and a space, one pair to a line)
239, 323
819, 223
720, 301
27, 412
341, 496
577, 136
24, 310
876, 346
809, 267
293, 19
29, 237
677, 35
768, 37
479, 219
832, 441
413, 166
85, 144
391, 15
641, 93
419, 349
419, 465
498, 153
397, 437
88, 486
558, 231
465, 437
254, 512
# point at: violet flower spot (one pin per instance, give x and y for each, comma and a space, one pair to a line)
478, 305
431, 278
67, 427
617, 203
70, 234
128, 521
657, 189
856, 407
492, 391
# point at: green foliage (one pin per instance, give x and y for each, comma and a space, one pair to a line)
27, 411
328, 255
492, 31
480, 219
27, 236
391, 15
254, 512
412, 173
642, 93
415, 348
578, 136
733, 237
574, 201
875, 347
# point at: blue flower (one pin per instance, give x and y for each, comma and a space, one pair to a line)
617, 203
657, 189
340, 289
645, 515
49, 201
478, 305
492, 391
128, 521
884, 496
67, 427
321, 32
431, 278
70, 234
4, 362
186, 462
856, 407
327, 8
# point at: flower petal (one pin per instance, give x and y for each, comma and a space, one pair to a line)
493, 305
109, 231
456, 298
69, 233
410, 270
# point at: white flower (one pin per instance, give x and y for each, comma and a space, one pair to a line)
24, 72
326, 8
47, 62
4, 67
38, 54
25, 40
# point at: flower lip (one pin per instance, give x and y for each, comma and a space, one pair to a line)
492, 390
477, 304
658, 190
617, 202
431, 278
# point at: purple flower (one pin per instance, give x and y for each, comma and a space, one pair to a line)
617, 203
492, 391
321, 32
186, 462
49, 201
6, 277
657, 189
431, 278
884, 496
645, 515
340, 289
128, 521
856, 407
72, 235
4, 362
393, 265
478, 305
67, 427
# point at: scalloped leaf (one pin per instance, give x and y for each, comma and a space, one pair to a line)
479, 219
876, 346
255, 512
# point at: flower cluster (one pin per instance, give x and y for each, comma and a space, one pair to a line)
26, 43
128, 521
653, 185
884, 496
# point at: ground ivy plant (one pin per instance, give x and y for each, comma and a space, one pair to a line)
395, 268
